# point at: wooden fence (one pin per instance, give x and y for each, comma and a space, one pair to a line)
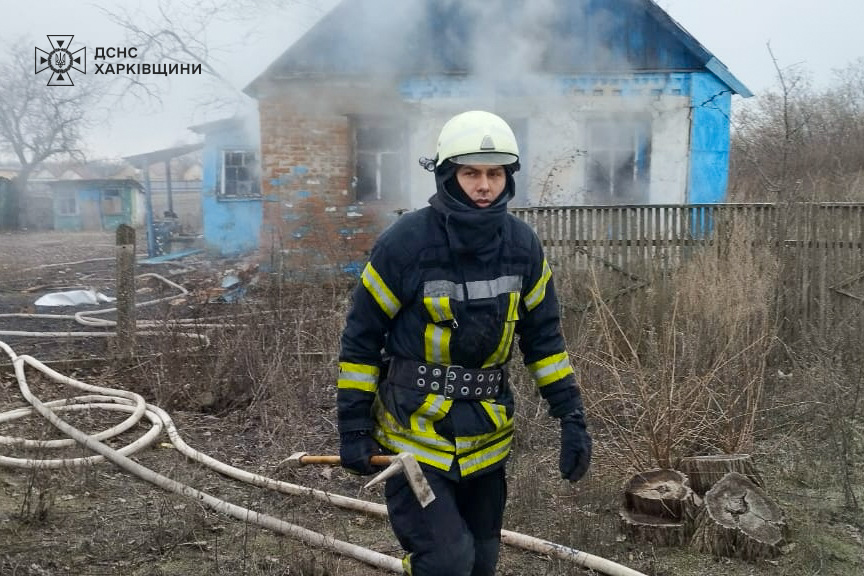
819, 247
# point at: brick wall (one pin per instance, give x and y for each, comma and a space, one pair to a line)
311, 222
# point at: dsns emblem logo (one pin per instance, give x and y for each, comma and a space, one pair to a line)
61, 61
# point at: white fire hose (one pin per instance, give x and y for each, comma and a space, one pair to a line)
128, 402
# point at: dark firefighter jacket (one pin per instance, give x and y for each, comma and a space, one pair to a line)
423, 298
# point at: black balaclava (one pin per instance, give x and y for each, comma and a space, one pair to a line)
470, 229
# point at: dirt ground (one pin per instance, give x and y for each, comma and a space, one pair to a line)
101, 520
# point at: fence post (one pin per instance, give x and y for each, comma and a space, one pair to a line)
125, 259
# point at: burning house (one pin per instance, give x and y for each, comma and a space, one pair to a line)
613, 103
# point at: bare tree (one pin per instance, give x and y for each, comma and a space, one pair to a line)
182, 32
37, 122
797, 143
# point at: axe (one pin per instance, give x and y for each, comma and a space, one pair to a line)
404, 463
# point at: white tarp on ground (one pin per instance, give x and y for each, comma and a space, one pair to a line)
73, 298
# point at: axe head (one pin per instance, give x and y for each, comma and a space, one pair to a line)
405, 463
294, 460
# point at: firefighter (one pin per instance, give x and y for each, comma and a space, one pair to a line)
424, 353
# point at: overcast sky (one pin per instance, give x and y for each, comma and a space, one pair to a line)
819, 35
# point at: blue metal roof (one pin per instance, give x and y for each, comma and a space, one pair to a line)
399, 37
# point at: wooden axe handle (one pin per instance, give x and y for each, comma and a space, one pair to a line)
380, 460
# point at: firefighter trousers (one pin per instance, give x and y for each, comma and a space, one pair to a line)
459, 533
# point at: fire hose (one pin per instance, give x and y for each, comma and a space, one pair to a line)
116, 400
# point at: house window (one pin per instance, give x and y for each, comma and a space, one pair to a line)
66, 202
239, 175
378, 158
619, 161
112, 204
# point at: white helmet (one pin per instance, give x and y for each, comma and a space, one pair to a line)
477, 137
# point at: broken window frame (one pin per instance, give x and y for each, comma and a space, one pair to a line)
623, 151
229, 174
63, 200
117, 205
379, 147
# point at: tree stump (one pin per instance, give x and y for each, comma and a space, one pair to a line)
659, 508
653, 530
705, 471
739, 520
661, 493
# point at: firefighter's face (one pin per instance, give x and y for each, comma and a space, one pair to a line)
482, 184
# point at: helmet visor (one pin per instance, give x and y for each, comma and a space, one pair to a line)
485, 159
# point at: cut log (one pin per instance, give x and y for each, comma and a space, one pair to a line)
705, 471
653, 530
739, 520
661, 493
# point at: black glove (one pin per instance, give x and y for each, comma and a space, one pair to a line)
576, 445
355, 450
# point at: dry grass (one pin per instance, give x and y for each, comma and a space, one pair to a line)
686, 365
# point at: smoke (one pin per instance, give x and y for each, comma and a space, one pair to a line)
505, 46
521, 59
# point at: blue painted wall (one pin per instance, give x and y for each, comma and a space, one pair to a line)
711, 102
231, 226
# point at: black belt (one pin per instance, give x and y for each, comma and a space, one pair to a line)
450, 381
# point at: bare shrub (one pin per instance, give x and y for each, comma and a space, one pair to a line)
795, 143
825, 391
679, 368
39, 496
273, 361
